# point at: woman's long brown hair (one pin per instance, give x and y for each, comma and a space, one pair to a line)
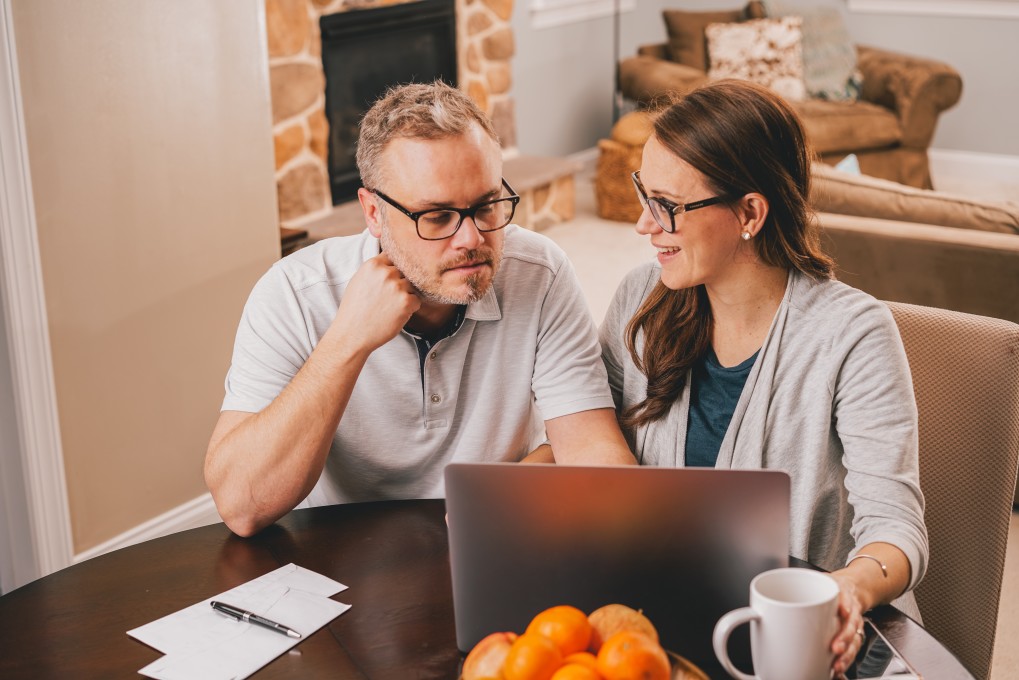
744, 139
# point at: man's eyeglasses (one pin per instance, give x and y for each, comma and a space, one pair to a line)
441, 223
665, 211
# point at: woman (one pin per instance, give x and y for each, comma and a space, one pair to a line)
737, 348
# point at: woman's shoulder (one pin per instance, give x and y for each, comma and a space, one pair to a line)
638, 282
628, 297
835, 301
841, 319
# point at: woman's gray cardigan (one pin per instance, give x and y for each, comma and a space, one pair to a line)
829, 400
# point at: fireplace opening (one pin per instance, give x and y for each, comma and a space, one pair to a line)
366, 51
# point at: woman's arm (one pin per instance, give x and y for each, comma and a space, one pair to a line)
875, 416
878, 573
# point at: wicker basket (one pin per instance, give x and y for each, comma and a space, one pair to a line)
613, 189
618, 157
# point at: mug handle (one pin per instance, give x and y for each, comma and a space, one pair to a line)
720, 639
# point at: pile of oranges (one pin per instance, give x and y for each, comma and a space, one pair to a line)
562, 643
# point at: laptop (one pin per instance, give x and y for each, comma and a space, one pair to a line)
680, 544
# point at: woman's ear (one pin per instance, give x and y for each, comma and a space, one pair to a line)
753, 212
371, 210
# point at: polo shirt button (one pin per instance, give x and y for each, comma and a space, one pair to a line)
435, 354
436, 399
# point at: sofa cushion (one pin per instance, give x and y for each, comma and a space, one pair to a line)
829, 56
844, 127
686, 31
764, 51
834, 191
968, 271
656, 82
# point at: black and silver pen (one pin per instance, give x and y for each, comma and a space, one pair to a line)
251, 617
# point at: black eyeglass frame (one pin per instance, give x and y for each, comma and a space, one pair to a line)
464, 213
673, 208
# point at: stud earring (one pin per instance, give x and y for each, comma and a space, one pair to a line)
746, 235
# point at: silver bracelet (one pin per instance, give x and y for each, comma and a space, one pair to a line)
884, 569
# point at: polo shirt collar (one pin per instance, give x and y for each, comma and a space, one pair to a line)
487, 308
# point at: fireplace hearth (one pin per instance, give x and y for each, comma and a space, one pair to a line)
367, 51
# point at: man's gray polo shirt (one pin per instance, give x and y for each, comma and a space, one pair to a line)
527, 351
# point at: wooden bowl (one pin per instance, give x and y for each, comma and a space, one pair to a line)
683, 669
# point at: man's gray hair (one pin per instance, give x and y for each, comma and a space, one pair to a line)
415, 111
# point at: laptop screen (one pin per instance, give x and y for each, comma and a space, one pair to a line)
680, 544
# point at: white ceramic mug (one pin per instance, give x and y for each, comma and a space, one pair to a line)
793, 616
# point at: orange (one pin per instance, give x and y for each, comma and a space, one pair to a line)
575, 671
532, 657
566, 626
629, 655
584, 659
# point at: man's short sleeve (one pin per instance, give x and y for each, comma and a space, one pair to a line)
272, 344
569, 376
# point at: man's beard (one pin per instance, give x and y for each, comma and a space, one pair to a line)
429, 282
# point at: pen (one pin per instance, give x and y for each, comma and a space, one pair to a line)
251, 617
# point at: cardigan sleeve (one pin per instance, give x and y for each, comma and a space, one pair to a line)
875, 416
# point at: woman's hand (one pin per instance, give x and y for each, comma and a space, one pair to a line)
849, 638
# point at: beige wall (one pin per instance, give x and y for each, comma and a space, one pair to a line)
150, 146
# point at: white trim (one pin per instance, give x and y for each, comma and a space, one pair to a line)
994, 9
27, 326
550, 13
972, 167
195, 513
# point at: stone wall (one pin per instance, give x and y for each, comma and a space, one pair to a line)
484, 48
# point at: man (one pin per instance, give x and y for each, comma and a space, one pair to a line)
364, 364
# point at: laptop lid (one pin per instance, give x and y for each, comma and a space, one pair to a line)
680, 544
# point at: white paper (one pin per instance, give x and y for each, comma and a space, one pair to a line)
202, 644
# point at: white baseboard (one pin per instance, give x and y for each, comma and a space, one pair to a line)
195, 513
974, 166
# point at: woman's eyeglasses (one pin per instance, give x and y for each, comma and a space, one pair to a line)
665, 211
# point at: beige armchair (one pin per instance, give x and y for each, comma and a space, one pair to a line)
966, 378
889, 129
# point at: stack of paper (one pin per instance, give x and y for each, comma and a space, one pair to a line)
202, 644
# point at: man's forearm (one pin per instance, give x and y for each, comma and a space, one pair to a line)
260, 466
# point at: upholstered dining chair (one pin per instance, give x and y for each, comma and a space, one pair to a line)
966, 378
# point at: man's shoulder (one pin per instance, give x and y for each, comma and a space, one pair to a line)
532, 249
332, 260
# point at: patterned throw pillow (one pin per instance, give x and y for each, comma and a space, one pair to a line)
764, 51
686, 31
829, 56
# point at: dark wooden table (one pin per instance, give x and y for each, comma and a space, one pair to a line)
392, 555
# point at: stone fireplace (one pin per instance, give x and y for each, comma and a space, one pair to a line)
363, 54
300, 128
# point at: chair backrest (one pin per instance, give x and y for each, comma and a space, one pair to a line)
966, 378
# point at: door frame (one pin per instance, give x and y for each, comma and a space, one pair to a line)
38, 455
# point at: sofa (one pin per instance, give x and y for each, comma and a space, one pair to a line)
889, 127
923, 247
